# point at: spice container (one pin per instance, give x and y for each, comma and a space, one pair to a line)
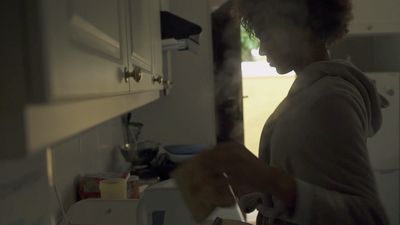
133, 187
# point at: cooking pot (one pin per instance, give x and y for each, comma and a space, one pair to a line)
140, 153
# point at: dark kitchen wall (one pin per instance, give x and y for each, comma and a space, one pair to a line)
26, 198
187, 115
371, 53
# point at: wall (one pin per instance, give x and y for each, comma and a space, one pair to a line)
25, 196
371, 53
187, 115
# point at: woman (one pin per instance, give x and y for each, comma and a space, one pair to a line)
313, 166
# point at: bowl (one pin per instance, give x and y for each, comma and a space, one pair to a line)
129, 152
140, 153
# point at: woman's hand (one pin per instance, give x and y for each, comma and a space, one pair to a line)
246, 173
204, 176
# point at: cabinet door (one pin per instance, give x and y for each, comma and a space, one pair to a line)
142, 25
140, 34
157, 48
85, 48
384, 147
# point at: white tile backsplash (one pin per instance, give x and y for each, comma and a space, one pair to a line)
67, 168
25, 195
89, 154
24, 189
105, 137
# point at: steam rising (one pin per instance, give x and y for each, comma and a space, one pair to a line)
227, 70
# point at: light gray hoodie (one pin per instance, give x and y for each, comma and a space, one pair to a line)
318, 134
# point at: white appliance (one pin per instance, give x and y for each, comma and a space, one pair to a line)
384, 147
102, 212
160, 204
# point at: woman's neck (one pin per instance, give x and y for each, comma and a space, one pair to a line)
319, 53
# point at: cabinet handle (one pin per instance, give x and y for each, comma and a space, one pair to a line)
167, 83
136, 74
127, 74
158, 79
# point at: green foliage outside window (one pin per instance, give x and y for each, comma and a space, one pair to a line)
248, 43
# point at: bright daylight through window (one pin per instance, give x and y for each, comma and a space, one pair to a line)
263, 90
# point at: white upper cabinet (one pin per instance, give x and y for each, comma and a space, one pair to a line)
140, 33
384, 147
75, 64
94, 48
373, 16
157, 47
144, 44
84, 48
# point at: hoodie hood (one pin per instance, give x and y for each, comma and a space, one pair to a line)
339, 68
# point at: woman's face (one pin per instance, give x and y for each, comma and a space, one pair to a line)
284, 46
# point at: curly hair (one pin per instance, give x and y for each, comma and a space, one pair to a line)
328, 20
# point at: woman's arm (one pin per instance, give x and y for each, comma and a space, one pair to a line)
333, 185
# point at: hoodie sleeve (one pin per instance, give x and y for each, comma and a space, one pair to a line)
335, 182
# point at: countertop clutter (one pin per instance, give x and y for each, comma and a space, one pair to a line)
130, 197
150, 163
159, 204
113, 186
151, 159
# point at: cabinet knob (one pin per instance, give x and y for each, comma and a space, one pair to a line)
136, 74
167, 83
158, 79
